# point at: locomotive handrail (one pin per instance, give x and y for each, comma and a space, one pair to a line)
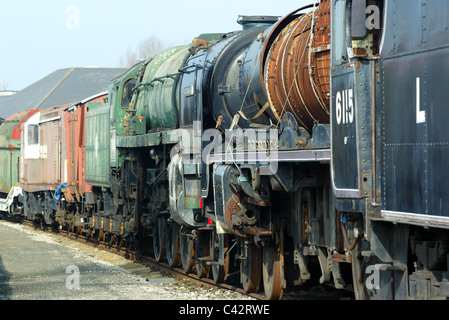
172, 76
195, 66
158, 79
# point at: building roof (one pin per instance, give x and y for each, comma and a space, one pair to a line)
63, 86
7, 93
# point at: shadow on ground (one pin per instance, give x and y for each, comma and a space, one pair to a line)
5, 289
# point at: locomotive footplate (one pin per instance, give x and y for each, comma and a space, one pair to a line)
309, 155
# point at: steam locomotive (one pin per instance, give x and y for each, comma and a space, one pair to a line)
306, 148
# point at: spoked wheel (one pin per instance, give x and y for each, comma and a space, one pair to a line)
250, 269
273, 271
202, 248
172, 244
159, 238
221, 244
187, 252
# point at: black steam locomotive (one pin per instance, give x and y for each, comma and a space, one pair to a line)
306, 148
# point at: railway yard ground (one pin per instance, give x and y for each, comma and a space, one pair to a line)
38, 265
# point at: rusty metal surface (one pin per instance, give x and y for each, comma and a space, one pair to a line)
10, 136
75, 123
98, 142
297, 68
47, 170
158, 92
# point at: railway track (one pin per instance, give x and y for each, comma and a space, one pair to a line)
129, 252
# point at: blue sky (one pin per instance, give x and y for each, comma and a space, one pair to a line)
39, 37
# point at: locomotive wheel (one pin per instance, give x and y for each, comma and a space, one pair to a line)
112, 241
202, 246
118, 243
159, 238
358, 272
172, 245
250, 269
273, 273
359, 264
187, 252
90, 235
219, 272
101, 235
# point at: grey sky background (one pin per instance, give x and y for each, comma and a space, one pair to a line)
39, 37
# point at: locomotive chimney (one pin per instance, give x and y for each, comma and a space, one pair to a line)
248, 22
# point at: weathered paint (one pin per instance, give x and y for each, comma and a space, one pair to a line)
10, 136
232, 83
75, 123
151, 139
45, 170
118, 89
414, 110
97, 144
158, 98
297, 68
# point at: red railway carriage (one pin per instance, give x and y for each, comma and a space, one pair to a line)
41, 162
43, 153
75, 122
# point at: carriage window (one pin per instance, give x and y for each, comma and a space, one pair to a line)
33, 134
358, 19
338, 38
127, 93
365, 26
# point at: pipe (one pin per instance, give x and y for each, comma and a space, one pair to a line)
349, 247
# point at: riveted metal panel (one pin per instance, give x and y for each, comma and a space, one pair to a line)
415, 135
10, 143
345, 168
159, 92
415, 139
97, 145
9, 151
75, 122
45, 170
